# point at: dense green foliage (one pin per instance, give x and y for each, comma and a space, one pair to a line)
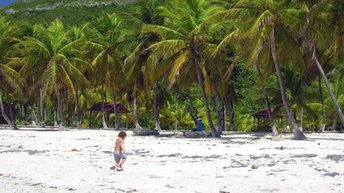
171, 62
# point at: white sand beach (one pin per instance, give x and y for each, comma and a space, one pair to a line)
43, 161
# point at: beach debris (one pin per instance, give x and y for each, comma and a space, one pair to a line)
193, 134
74, 149
179, 134
145, 132
254, 166
277, 138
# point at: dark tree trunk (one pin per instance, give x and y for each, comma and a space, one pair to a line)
224, 124
218, 114
301, 118
55, 117
329, 89
34, 120
323, 126
156, 107
59, 108
40, 107
103, 109
229, 103
78, 124
190, 108
267, 103
3, 113
13, 116
23, 111
334, 125
298, 135
218, 108
115, 109
214, 133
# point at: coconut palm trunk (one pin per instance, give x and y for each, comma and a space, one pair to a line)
218, 108
298, 135
218, 114
268, 106
13, 117
55, 117
77, 105
3, 113
156, 107
323, 126
59, 108
214, 133
329, 89
135, 119
102, 108
190, 107
301, 119
34, 120
229, 103
115, 108
40, 107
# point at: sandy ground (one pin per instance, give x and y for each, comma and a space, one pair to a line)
43, 161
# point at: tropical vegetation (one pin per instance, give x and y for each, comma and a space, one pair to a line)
171, 62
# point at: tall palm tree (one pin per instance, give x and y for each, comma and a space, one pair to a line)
80, 60
108, 39
47, 53
146, 13
324, 42
10, 81
183, 41
264, 19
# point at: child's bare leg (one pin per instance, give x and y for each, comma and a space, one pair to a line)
121, 163
116, 166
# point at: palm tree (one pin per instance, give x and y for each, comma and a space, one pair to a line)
108, 38
264, 19
183, 40
48, 54
313, 34
10, 81
79, 59
147, 13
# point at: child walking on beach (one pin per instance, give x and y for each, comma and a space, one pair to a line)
119, 152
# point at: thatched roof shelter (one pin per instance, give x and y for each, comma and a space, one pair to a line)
264, 113
261, 118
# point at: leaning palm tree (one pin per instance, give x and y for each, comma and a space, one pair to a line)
324, 43
9, 77
48, 53
183, 40
263, 26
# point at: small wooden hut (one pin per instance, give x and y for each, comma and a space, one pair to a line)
261, 118
109, 108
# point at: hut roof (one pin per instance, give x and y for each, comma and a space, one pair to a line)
265, 113
109, 107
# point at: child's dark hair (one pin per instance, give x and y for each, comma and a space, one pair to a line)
122, 134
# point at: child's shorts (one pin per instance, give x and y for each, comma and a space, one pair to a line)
119, 156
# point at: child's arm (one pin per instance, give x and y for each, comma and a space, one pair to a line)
122, 146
